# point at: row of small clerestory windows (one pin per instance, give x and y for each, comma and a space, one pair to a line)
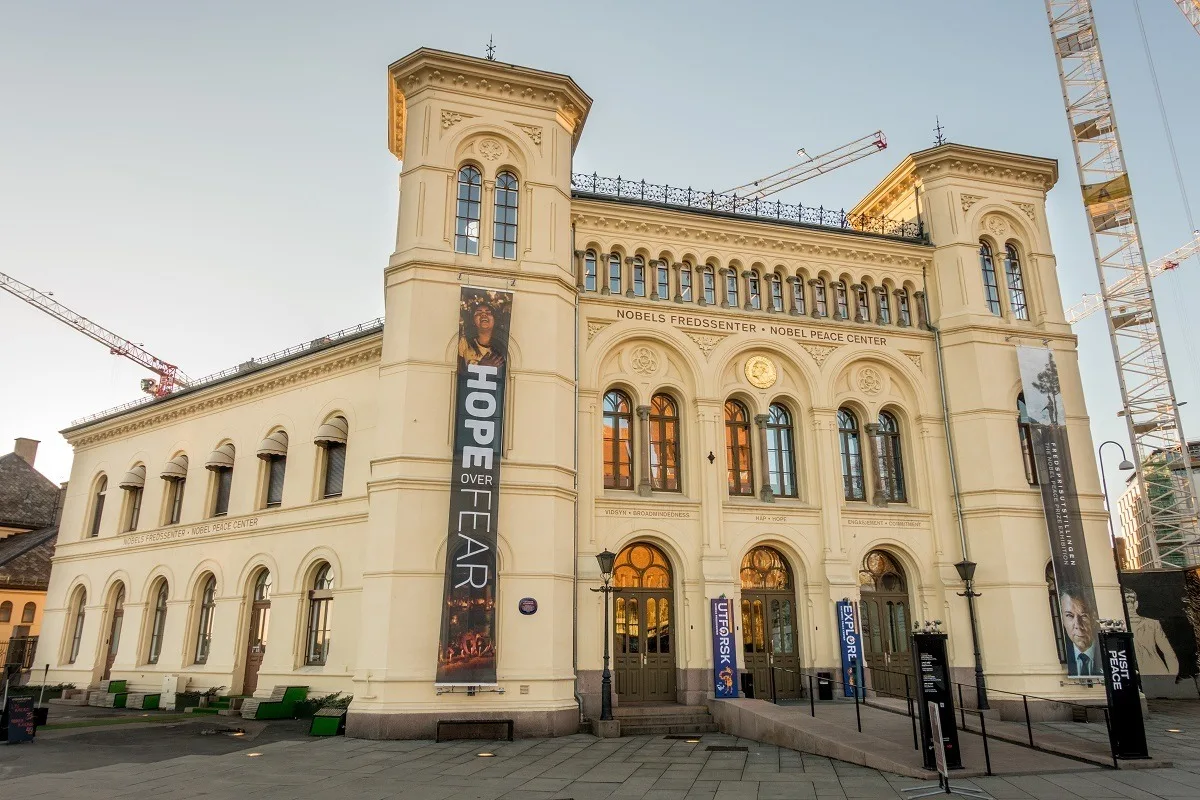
469, 209
662, 471
752, 290
330, 440
27, 613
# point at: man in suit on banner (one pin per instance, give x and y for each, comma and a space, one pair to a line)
1080, 623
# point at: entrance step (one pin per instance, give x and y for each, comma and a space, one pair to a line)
655, 719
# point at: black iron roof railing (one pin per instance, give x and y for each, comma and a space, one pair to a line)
752, 207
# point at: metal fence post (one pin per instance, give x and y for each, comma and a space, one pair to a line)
1108, 728
857, 709
962, 710
1028, 724
987, 756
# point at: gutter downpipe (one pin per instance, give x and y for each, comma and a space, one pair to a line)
969, 593
575, 538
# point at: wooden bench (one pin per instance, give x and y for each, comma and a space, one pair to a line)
473, 723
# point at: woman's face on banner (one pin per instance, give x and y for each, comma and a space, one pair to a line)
484, 319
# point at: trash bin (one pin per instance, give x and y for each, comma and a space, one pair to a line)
824, 685
748, 685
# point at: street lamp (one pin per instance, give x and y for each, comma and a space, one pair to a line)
1124, 466
606, 560
966, 572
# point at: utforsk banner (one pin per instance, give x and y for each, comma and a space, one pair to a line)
467, 645
1068, 549
725, 671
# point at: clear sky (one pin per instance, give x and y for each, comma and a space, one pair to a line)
212, 179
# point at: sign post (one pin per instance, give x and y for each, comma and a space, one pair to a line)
1126, 729
851, 648
933, 692
725, 670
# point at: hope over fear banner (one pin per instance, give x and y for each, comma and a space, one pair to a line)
467, 644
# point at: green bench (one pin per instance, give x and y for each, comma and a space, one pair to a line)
280, 705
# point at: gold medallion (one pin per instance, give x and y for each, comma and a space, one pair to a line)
760, 372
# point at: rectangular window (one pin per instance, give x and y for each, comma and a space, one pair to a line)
755, 290
685, 283
885, 308
864, 307
589, 272
335, 469
843, 302
731, 288
133, 502
710, 286
820, 300
902, 308
276, 467
664, 280
174, 501
614, 273
318, 628
776, 293
798, 295
224, 480
639, 277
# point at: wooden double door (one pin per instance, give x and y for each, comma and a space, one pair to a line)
886, 626
769, 646
644, 645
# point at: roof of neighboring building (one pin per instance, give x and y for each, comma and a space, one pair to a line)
28, 498
25, 559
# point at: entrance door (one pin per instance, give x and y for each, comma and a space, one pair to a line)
114, 632
769, 647
260, 623
886, 624
643, 646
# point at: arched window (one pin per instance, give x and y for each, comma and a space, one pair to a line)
863, 312
820, 299
737, 449
78, 611
273, 452
639, 276
664, 444
589, 271
731, 287
754, 290
466, 223
1016, 282
6, 611
98, 505
891, 458
1025, 434
798, 295
220, 463
320, 599
841, 299
662, 280
685, 282
641, 566
709, 281
851, 450
133, 484
159, 623
765, 569
28, 613
174, 474
331, 438
504, 226
614, 273
885, 307
781, 459
902, 309
776, 291
618, 441
1060, 636
204, 621
991, 292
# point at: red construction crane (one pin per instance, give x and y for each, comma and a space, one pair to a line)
170, 377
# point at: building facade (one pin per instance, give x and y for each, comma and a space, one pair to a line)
1137, 549
739, 399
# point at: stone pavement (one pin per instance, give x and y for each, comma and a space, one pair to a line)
579, 767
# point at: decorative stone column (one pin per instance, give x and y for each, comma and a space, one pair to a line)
791, 299
815, 313
579, 267
878, 496
919, 301
629, 275
765, 493
748, 305
643, 414
602, 273
861, 312
678, 268
900, 320
724, 292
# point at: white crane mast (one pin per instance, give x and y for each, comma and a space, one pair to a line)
1167, 534
1191, 10
1091, 303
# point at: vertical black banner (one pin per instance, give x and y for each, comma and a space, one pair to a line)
467, 645
1046, 418
933, 686
1126, 730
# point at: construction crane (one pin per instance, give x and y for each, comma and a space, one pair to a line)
1168, 535
1091, 303
170, 377
811, 166
1191, 10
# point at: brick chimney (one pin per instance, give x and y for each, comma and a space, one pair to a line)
26, 449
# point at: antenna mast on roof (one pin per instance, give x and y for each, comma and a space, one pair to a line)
938, 138
490, 49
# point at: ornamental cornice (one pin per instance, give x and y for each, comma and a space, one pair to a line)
228, 394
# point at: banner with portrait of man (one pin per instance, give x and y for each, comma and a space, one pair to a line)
467, 644
1060, 499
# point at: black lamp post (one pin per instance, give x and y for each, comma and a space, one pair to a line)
1124, 466
606, 560
966, 571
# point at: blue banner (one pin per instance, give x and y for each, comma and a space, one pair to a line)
851, 647
725, 670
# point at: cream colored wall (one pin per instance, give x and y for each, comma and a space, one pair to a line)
288, 540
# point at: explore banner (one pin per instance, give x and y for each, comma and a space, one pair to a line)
1046, 418
467, 644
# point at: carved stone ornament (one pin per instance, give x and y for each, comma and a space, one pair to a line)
1028, 210
452, 118
869, 381
533, 131
969, 200
707, 342
644, 361
913, 357
594, 327
819, 352
997, 226
491, 149
761, 372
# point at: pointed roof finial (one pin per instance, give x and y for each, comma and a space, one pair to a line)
938, 138
491, 49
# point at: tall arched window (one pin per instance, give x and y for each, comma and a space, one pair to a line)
820, 299
618, 441
79, 609
28, 613
504, 226
204, 621
781, 459
159, 623
708, 282
1025, 433
891, 458
332, 437
664, 444
1016, 282
991, 292
320, 598
98, 496
220, 463
731, 287
754, 290
776, 291
133, 484
174, 475
798, 295
639, 276
6, 611
662, 280
902, 308
589, 271
851, 450
466, 222
737, 449
614, 273
863, 312
841, 299
685, 282
885, 307
1060, 637
273, 452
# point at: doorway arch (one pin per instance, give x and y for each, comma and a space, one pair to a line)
770, 634
116, 619
886, 622
643, 629
258, 629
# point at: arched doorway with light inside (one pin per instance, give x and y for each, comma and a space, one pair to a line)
643, 625
770, 629
886, 624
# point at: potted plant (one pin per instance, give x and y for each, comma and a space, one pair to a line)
208, 695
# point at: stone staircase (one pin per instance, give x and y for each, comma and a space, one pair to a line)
654, 719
